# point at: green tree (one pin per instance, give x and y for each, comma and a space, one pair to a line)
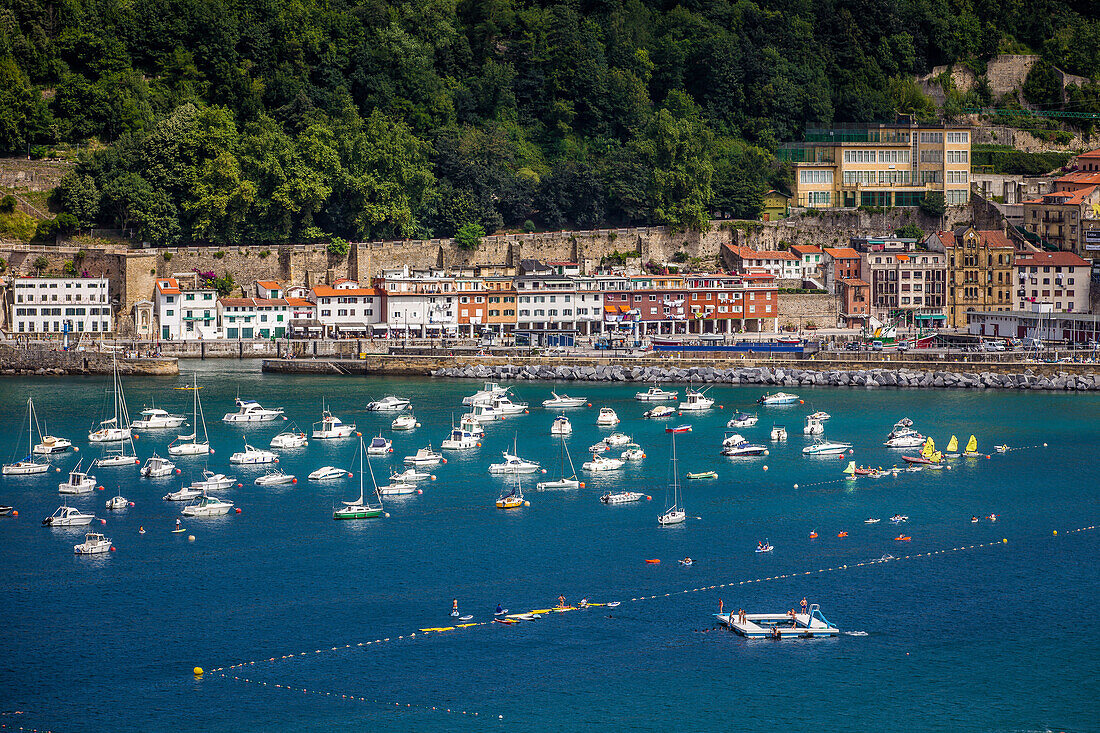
909, 231
1043, 85
934, 204
77, 194
468, 236
678, 146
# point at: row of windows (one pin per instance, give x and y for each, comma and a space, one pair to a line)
819, 198
958, 137
955, 198
69, 298
958, 176
31, 327
876, 156
58, 311
77, 284
812, 177
958, 156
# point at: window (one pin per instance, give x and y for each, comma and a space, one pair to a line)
957, 197
819, 198
931, 156
957, 176
815, 177
931, 137
958, 137
853, 177
958, 156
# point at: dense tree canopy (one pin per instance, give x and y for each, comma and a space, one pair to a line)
283, 120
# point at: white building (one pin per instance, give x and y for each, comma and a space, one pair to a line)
184, 310
546, 301
779, 264
61, 305
1060, 279
419, 302
589, 307
253, 318
343, 310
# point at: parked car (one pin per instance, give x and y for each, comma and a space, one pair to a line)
993, 346
852, 346
876, 345
903, 346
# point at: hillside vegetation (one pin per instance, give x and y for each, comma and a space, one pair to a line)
298, 120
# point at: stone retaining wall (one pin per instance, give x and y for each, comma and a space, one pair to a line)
14, 360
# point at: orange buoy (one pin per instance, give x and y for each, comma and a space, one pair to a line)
420, 491
15, 513
112, 548
649, 498
238, 510
582, 484
240, 486
293, 480
842, 534
444, 460
813, 535
99, 488
349, 474
137, 461
178, 472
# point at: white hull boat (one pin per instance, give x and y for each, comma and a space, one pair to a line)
560, 484
779, 398
460, 439
485, 394
379, 446
157, 467
607, 417
602, 463
735, 445
207, 506
660, 411
250, 411
504, 406
672, 516
675, 514
93, 544
409, 475
211, 481
327, 473
742, 420
779, 433
513, 464
184, 494
632, 454
78, 483
424, 457
388, 404
118, 459
656, 394
289, 439
404, 422
482, 413
109, 435
397, 489
190, 445
24, 464
617, 440
621, 497
52, 444
813, 426
275, 478
561, 426
67, 516
558, 402
25, 468
252, 456
823, 447
190, 448
696, 401
154, 418
331, 427
117, 502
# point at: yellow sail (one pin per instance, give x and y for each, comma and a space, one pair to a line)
936, 457
851, 469
972, 444
953, 444
929, 448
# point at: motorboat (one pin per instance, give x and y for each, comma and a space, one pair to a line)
618, 440
561, 426
621, 497
598, 447
823, 447
558, 402
116, 459
52, 444
684, 428
659, 411
207, 506
118, 501
157, 467
79, 482
903, 435
632, 454
252, 411
460, 439
482, 413
275, 477
67, 516
485, 394
779, 433
292, 438
154, 418
190, 445
330, 427
512, 498
116, 428
409, 475
656, 394
514, 464
404, 422
109, 432
472, 426
702, 475
388, 404
424, 457
360, 509
820, 415
397, 488
813, 426
603, 463
185, 493
779, 398
743, 420
328, 473
93, 544
379, 446
675, 513
735, 445
607, 417
251, 456
696, 401
26, 464
504, 406
211, 481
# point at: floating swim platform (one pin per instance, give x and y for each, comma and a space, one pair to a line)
763, 625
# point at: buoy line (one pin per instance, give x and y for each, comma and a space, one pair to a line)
25, 729
352, 697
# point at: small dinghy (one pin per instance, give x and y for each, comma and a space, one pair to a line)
703, 475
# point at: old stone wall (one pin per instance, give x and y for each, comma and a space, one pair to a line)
802, 308
835, 227
21, 174
39, 360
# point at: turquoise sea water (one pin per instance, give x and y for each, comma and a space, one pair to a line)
992, 638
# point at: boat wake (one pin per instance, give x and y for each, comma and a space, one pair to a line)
855, 633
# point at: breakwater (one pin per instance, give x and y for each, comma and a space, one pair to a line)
43, 362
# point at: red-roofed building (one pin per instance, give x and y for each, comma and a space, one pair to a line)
346, 309
908, 286
854, 301
812, 259
185, 309
253, 318
1058, 279
1069, 216
839, 263
979, 271
269, 289
780, 265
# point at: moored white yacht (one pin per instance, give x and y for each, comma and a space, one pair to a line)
813, 426
823, 447
330, 427
397, 488
483, 413
157, 467
79, 482
618, 440
460, 439
154, 418
67, 516
779, 433
603, 463
185, 493
564, 401
252, 411
404, 422
93, 544
328, 473
190, 445
379, 446
514, 464
675, 514
118, 501
561, 426
292, 438
735, 445
903, 435
779, 398
409, 475
207, 506
743, 420
622, 497
212, 481
424, 457
568, 480
275, 477
252, 456
486, 393
655, 394
52, 444
504, 405
27, 465
116, 428
388, 404
659, 411
607, 417
696, 401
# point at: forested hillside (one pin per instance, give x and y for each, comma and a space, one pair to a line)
300, 120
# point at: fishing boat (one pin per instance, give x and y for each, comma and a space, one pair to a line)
251, 411
679, 429
67, 516
388, 404
157, 467
211, 481
486, 393
93, 544
118, 501
928, 455
561, 426
251, 456
735, 445
207, 506
186, 493
409, 475
632, 454
779, 398
743, 420
603, 463
360, 509
330, 427
80, 482
424, 457
50, 444
823, 447
117, 427
154, 418
607, 417
675, 513
702, 475
406, 421
275, 477
813, 426
971, 449
328, 473
514, 464
503, 405
379, 446
952, 449
459, 439
598, 447
568, 479
513, 497
903, 435
622, 497
292, 438
655, 394
27, 465
779, 433
696, 401
659, 411
558, 402
189, 445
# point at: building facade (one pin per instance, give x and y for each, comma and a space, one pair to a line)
880, 165
419, 302
342, 310
980, 271
1060, 280
781, 265
1069, 216
853, 295
253, 318
840, 263
60, 305
907, 285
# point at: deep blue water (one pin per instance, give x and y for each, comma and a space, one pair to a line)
991, 639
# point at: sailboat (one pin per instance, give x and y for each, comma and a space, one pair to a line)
952, 450
971, 447
187, 445
120, 457
928, 454
359, 509
563, 483
116, 428
512, 499
28, 465
675, 514
850, 470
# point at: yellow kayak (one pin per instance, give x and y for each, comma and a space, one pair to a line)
441, 628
